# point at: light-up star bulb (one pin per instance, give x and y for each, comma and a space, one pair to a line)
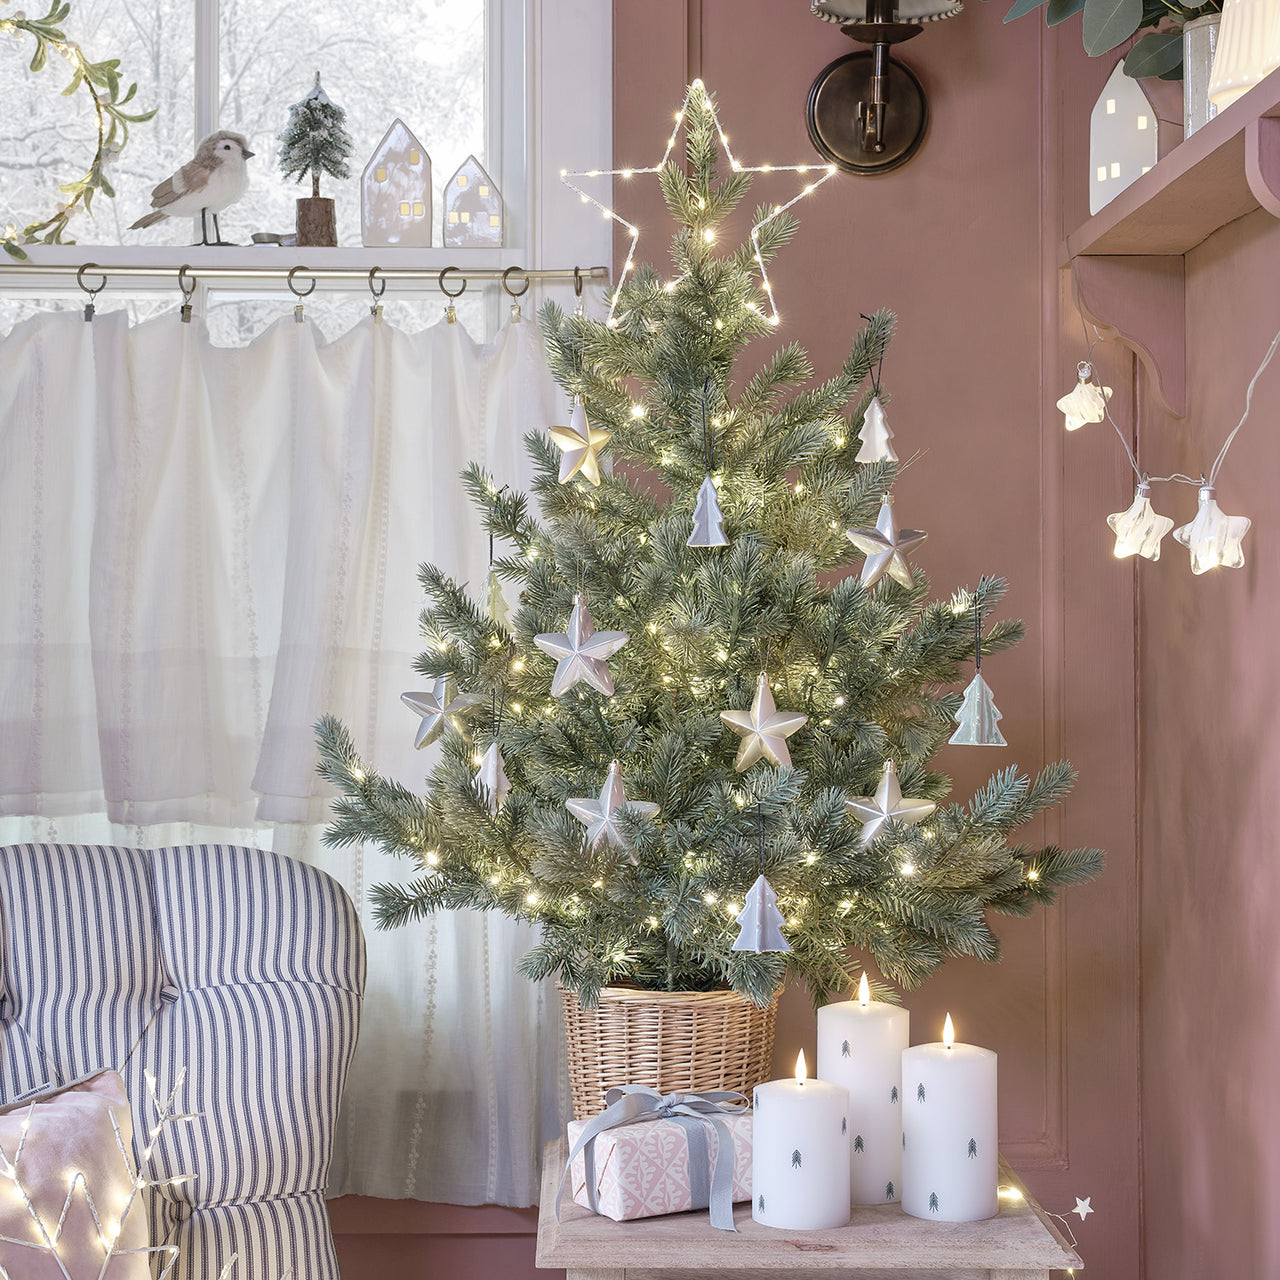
1213, 537
697, 98
1139, 529
1086, 401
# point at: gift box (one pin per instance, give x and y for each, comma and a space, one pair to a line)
643, 1170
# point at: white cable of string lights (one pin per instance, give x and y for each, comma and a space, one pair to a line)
1083, 1207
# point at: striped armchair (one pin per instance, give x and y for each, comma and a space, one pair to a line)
245, 967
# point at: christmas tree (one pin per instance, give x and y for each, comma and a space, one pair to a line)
865, 667
315, 140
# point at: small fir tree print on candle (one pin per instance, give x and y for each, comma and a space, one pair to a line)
893, 1094
858, 1145
973, 1148
888, 1190
844, 1049
844, 1125
761, 1203
795, 1158
920, 1092
933, 1202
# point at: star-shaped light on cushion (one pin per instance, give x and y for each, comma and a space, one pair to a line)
439, 711
601, 816
579, 444
696, 98
764, 729
1083, 1207
887, 805
886, 548
580, 651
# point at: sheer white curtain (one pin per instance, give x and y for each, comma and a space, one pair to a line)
205, 550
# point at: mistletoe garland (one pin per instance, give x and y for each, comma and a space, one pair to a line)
101, 80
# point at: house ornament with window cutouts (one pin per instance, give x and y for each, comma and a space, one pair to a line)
101, 81
1126, 137
473, 214
395, 192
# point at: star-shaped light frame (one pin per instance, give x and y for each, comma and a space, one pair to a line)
827, 172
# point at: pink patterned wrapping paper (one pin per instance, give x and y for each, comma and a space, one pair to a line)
642, 1170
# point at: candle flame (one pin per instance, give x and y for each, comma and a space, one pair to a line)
864, 992
801, 1072
948, 1033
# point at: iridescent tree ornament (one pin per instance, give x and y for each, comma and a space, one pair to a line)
1213, 537
496, 605
440, 711
760, 921
1086, 401
600, 816
763, 728
708, 523
581, 651
978, 719
579, 444
1139, 530
876, 435
887, 805
492, 778
886, 548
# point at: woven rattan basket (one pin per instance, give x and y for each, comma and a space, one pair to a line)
673, 1041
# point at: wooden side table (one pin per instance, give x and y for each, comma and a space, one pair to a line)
881, 1243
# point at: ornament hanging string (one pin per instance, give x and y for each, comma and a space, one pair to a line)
706, 430
759, 838
977, 640
875, 377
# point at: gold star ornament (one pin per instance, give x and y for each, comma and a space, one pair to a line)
764, 729
579, 444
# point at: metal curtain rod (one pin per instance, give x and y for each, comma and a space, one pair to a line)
308, 273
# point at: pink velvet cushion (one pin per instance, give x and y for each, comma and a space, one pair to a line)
70, 1132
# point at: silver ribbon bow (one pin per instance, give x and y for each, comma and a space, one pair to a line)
636, 1104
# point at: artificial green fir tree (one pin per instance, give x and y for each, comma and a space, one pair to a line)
652, 898
315, 140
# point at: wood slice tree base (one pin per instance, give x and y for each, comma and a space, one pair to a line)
317, 222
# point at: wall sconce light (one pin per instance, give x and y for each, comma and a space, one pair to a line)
867, 112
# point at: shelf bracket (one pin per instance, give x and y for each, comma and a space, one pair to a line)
1262, 162
1140, 301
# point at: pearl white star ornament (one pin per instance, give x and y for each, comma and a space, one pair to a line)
440, 711
1139, 529
1086, 401
600, 816
1083, 1207
1213, 537
886, 548
492, 778
581, 651
888, 804
764, 729
579, 444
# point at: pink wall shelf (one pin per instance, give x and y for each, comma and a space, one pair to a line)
1128, 259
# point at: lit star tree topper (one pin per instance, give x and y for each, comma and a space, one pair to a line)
440, 709
764, 729
601, 816
887, 805
886, 548
581, 651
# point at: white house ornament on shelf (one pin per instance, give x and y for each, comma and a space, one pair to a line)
764, 729
492, 778
1124, 139
886, 548
1213, 537
1086, 402
1140, 529
581, 652
472, 208
888, 804
708, 523
877, 436
579, 444
978, 719
760, 921
395, 192
440, 709
600, 816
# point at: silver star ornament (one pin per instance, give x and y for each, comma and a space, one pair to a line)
886, 548
439, 711
492, 778
764, 729
579, 444
580, 651
601, 816
886, 805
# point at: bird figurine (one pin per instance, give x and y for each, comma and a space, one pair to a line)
213, 181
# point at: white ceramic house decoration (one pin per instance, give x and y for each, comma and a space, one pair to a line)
472, 208
395, 192
1124, 138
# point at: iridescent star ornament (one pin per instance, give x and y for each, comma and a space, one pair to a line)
887, 805
1213, 537
1140, 529
601, 816
763, 728
696, 98
440, 711
1086, 401
886, 547
579, 444
581, 652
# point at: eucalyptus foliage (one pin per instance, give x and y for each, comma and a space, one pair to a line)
874, 670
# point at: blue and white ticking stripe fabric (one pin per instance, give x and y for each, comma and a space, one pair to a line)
244, 967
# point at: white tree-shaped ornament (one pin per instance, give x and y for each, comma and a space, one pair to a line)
708, 523
600, 816
876, 436
492, 778
496, 601
1139, 530
1213, 537
579, 444
581, 651
440, 710
760, 921
888, 804
1086, 401
978, 718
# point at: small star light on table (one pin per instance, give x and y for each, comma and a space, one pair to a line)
764, 729
600, 816
1086, 402
697, 98
581, 651
440, 711
886, 548
887, 805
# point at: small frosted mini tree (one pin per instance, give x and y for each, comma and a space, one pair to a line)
315, 141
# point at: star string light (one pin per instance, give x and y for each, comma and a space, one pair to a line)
697, 94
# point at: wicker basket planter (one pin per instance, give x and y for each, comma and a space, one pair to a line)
673, 1041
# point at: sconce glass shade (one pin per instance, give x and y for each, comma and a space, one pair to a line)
1248, 48
1213, 537
855, 11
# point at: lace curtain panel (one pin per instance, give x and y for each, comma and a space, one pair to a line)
204, 550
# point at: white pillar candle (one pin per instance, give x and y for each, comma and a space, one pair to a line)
949, 1132
860, 1045
800, 1153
